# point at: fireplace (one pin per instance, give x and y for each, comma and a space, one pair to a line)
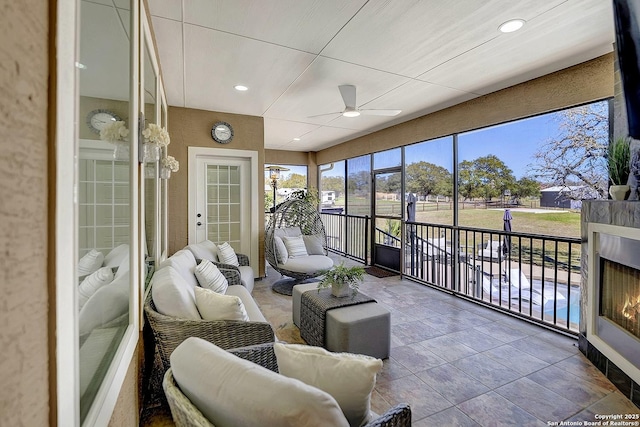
620, 295
613, 312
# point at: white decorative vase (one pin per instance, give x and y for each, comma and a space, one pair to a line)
121, 151
619, 192
340, 291
165, 173
151, 152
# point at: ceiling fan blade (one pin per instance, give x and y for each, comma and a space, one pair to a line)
322, 115
348, 93
380, 112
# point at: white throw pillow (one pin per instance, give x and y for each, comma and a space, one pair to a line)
314, 244
215, 306
106, 305
90, 263
231, 392
93, 282
204, 250
116, 256
281, 250
295, 246
227, 255
210, 277
173, 296
349, 378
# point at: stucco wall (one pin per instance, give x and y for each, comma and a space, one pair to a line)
24, 394
576, 85
192, 128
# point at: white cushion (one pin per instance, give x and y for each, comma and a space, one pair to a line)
173, 296
308, 264
210, 277
184, 263
281, 250
349, 378
227, 255
295, 246
253, 311
93, 282
231, 392
314, 244
246, 277
287, 231
90, 262
215, 306
106, 304
116, 256
204, 250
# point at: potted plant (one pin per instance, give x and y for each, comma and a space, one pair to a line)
342, 280
619, 165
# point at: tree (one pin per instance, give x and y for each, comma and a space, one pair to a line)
359, 182
578, 153
525, 187
485, 177
293, 180
426, 178
333, 183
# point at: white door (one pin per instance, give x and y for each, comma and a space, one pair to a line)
223, 207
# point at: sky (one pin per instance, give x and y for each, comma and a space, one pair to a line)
514, 143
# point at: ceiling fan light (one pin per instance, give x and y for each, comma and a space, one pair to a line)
352, 113
511, 25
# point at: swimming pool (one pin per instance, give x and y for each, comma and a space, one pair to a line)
561, 312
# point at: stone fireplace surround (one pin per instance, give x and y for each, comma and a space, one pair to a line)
625, 214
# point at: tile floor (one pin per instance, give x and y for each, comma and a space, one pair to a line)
460, 364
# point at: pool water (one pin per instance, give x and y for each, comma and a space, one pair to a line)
561, 313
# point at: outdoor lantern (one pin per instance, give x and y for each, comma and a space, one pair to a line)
274, 176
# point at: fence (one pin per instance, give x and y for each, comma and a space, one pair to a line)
535, 277
348, 235
532, 276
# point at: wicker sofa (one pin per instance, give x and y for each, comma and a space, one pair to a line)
186, 414
170, 331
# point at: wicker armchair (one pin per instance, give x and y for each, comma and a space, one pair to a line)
169, 332
294, 213
185, 414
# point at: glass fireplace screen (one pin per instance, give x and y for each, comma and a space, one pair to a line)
620, 295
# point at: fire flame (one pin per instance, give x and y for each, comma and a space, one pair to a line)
631, 309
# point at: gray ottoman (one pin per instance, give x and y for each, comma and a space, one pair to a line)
296, 295
362, 329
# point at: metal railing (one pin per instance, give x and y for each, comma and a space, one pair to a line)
533, 276
348, 235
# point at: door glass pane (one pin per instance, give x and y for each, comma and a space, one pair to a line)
388, 232
388, 194
223, 205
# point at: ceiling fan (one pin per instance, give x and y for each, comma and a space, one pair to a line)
348, 93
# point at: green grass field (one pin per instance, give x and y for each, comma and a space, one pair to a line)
551, 223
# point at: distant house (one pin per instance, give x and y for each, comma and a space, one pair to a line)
328, 198
560, 197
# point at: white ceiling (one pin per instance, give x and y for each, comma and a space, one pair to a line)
419, 56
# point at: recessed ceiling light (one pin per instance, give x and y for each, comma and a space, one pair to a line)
240, 88
296, 139
511, 25
351, 113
